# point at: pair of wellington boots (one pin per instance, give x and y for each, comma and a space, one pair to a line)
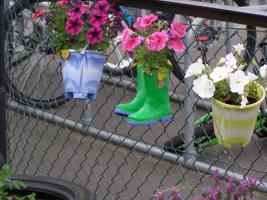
151, 103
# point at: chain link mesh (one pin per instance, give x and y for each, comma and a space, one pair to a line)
67, 143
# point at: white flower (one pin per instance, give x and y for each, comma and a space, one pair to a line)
238, 80
239, 48
204, 87
195, 69
230, 61
244, 101
263, 70
252, 77
219, 73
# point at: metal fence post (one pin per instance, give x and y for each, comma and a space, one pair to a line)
86, 115
189, 104
3, 149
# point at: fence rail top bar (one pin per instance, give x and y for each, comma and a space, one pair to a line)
201, 9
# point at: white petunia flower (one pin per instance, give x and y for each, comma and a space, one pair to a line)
263, 70
238, 80
239, 48
252, 77
244, 101
204, 87
230, 61
195, 69
219, 73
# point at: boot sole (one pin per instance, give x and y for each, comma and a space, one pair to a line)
164, 119
120, 112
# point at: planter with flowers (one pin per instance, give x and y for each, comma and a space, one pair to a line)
151, 42
80, 33
236, 96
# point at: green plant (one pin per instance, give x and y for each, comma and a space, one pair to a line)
7, 185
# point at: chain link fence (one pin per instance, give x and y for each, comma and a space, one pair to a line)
85, 142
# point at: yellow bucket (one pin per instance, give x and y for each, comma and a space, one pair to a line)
235, 125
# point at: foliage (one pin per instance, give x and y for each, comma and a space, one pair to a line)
6, 185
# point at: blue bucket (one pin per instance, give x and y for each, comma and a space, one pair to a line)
82, 74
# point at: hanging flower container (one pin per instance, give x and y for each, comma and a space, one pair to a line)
72, 25
235, 125
82, 73
236, 96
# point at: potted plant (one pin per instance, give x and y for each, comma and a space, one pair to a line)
236, 96
80, 32
39, 188
151, 42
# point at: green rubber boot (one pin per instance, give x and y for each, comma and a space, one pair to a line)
126, 109
157, 103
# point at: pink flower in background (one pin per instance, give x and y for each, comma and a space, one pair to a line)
74, 25
157, 41
131, 43
126, 33
78, 10
138, 23
64, 2
102, 6
147, 21
98, 18
176, 44
116, 10
95, 35
178, 29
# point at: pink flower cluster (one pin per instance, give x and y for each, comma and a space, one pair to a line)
158, 40
96, 17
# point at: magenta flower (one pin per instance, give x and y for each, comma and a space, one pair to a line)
98, 19
229, 186
145, 22
64, 2
126, 33
157, 41
252, 182
74, 25
131, 43
159, 194
243, 188
148, 20
176, 44
95, 35
178, 30
137, 24
102, 6
78, 10
116, 10
176, 193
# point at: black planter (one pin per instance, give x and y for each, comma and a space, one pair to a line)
47, 188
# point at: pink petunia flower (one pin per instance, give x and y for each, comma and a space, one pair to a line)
102, 6
78, 10
147, 21
98, 18
126, 33
64, 2
176, 44
116, 10
131, 43
157, 41
74, 25
95, 35
138, 23
178, 29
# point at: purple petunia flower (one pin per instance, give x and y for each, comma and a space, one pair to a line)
98, 19
78, 10
102, 6
229, 186
176, 193
159, 194
95, 35
252, 182
74, 25
243, 188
